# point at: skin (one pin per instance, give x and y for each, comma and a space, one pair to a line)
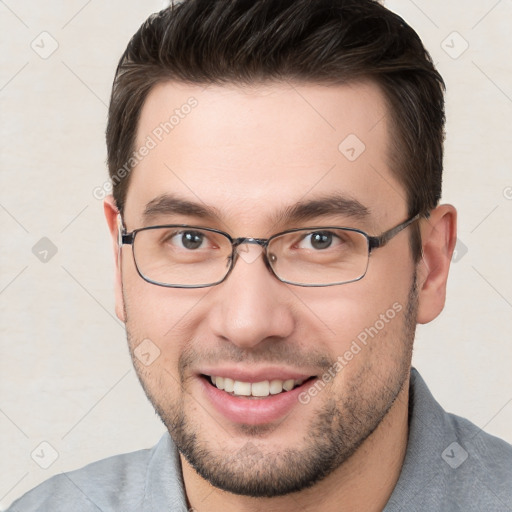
250, 153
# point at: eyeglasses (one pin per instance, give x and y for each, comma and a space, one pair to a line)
183, 256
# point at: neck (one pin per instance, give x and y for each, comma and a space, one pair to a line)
363, 483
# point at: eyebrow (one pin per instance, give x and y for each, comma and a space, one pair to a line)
167, 204
335, 204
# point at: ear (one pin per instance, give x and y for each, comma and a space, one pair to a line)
439, 235
113, 219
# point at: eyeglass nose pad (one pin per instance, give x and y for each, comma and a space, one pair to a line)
249, 252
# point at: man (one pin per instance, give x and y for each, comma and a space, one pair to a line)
276, 227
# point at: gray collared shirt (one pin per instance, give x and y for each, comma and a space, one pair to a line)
450, 465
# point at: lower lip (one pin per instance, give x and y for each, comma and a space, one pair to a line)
253, 411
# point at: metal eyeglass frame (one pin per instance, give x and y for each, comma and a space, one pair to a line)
374, 242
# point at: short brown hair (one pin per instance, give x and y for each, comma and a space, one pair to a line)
315, 41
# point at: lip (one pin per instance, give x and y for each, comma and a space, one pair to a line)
256, 375
252, 411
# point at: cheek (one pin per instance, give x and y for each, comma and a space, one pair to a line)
159, 328
362, 323
346, 311
154, 310
160, 323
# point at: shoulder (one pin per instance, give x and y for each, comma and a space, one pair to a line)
115, 483
478, 464
450, 464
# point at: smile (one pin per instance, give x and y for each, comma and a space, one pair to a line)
254, 399
260, 389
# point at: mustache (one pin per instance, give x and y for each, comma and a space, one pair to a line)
272, 353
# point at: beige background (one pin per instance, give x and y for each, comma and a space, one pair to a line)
66, 378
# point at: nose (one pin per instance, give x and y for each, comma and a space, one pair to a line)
251, 305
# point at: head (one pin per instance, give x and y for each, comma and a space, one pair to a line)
250, 118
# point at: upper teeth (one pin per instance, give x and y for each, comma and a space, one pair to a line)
263, 388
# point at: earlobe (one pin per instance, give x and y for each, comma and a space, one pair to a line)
113, 218
439, 235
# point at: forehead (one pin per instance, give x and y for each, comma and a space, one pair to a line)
247, 151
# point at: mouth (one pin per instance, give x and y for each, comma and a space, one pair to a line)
254, 390
257, 401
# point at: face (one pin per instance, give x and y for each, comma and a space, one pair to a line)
247, 158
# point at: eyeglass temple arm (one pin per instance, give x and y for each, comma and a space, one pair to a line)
381, 240
123, 237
